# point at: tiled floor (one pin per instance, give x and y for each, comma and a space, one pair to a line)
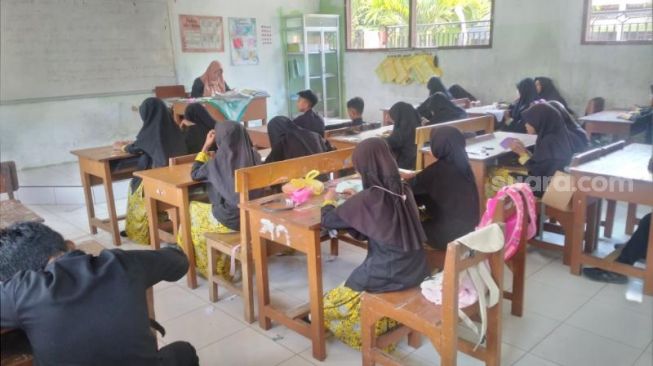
568, 320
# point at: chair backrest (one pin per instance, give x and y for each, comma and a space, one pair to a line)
475, 124
183, 159
595, 105
463, 103
170, 91
596, 153
8, 178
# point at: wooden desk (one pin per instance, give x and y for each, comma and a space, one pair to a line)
483, 110
298, 229
168, 186
95, 168
12, 211
259, 136
347, 141
484, 151
620, 168
607, 123
256, 110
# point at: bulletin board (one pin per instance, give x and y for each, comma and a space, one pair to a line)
201, 33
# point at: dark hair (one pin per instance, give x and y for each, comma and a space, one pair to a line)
27, 246
356, 104
310, 96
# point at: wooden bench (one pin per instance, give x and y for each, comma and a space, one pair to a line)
12, 212
439, 323
170, 91
254, 178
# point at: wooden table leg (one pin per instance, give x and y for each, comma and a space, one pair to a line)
153, 221
111, 205
187, 239
631, 218
314, 262
88, 197
609, 218
578, 232
479, 169
648, 276
260, 254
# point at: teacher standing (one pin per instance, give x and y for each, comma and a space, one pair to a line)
210, 83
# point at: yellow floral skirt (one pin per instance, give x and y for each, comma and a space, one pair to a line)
202, 221
136, 224
342, 316
499, 177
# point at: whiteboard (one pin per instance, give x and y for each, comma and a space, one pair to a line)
69, 48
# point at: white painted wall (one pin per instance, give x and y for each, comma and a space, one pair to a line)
43, 133
531, 38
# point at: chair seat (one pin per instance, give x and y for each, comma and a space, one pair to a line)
224, 243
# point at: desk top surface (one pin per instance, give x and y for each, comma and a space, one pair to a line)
357, 138
12, 211
486, 147
102, 153
631, 162
606, 117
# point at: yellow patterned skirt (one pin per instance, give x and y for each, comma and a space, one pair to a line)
136, 224
499, 177
342, 316
202, 221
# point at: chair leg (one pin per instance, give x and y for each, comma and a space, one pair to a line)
631, 218
213, 286
248, 290
518, 281
368, 335
334, 247
608, 224
414, 339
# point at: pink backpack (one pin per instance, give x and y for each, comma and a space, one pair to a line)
513, 230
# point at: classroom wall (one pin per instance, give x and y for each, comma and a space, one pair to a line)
42, 133
531, 38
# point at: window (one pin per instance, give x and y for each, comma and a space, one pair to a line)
618, 22
397, 24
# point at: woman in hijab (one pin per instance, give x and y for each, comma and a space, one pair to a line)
578, 138
546, 90
435, 85
527, 95
385, 214
402, 139
158, 140
210, 83
447, 189
290, 141
552, 147
222, 215
458, 92
438, 108
201, 123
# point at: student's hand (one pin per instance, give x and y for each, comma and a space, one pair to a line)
348, 192
118, 145
518, 147
330, 195
407, 174
186, 123
210, 140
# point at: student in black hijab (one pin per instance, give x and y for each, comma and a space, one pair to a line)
447, 189
552, 147
235, 151
202, 124
547, 90
435, 85
578, 138
158, 140
458, 92
438, 108
290, 141
402, 139
309, 120
385, 214
527, 95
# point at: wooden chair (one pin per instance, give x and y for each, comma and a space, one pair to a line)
475, 124
438, 323
170, 91
463, 103
595, 105
255, 178
8, 178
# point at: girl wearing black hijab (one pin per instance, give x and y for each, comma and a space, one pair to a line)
222, 215
447, 189
158, 140
458, 92
435, 85
546, 90
202, 124
438, 108
288, 140
552, 148
527, 95
385, 214
578, 138
402, 139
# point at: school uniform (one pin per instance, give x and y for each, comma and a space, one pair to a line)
402, 139
438, 109
549, 92
311, 121
203, 123
208, 84
290, 141
458, 92
527, 95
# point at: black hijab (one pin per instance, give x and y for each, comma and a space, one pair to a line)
448, 144
527, 95
458, 92
578, 138
402, 139
235, 151
289, 140
196, 135
438, 108
435, 85
160, 137
552, 142
385, 211
550, 92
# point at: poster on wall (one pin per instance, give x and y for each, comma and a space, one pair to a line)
244, 47
201, 33
266, 34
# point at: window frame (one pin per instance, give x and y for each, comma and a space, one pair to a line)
583, 35
412, 24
